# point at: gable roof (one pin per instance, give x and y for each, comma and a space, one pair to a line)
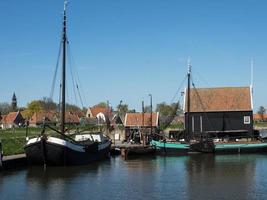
10, 117
53, 116
219, 99
96, 110
71, 118
38, 117
3, 117
136, 119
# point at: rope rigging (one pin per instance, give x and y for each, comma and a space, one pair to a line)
55, 72
73, 76
179, 88
176, 105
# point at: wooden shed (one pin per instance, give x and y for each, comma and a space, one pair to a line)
220, 112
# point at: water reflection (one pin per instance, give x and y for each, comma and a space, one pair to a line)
220, 176
201, 176
62, 182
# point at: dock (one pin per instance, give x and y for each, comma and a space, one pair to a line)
13, 161
127, 150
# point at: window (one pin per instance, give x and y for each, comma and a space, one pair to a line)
246, 119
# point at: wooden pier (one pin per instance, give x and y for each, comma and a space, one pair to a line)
127, 150
14, 161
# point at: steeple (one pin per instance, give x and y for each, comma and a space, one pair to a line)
14, 102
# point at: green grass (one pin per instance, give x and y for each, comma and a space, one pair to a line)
260, 124
14, 140
176, 126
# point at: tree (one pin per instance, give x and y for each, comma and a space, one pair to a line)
72, 108
5, 108
147, 109
122, 109
32, 107
261, 112
48, 104
167, 112
101, 104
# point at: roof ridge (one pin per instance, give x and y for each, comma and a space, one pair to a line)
226, 87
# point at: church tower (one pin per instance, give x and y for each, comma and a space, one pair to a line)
14, 102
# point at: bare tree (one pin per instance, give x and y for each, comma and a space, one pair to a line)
5, 108
261, 112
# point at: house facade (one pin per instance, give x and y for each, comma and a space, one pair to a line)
220, 112
260, 117
38, 118
100, 113
136, 123
11, 120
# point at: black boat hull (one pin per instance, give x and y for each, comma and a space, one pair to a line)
49, 153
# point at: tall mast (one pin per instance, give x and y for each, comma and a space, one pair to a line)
63, 83
251, 73
188, 99
151, 115
252, 81
143, 124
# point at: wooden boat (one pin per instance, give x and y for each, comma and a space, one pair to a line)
57, 151
66, 150
143, 150
171, 147
176, 148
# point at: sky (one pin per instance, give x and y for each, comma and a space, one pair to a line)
128, 49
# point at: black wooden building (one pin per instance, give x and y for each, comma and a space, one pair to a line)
220, 112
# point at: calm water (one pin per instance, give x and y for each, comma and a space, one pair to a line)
193, 177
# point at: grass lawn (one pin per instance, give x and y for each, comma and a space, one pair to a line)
14, 140
260, 124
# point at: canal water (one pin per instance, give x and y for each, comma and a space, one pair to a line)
199, 176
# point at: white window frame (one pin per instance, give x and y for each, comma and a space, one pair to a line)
247, 120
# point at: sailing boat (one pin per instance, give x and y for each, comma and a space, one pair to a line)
210, 141
85, 148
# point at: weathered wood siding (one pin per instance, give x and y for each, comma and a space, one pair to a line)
202, 122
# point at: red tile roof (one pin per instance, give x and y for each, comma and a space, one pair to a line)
52, 116
258, 117
136, 119
71, 118
3, 118
219, 99
9, 118
38, 118
96, 110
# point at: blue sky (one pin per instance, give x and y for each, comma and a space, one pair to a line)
126, 49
